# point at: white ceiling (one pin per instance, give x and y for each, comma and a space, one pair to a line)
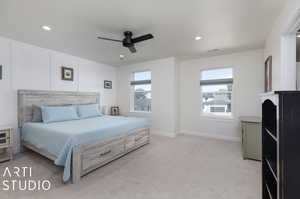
229, 25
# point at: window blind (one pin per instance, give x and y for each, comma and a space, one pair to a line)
140, 82
216, 82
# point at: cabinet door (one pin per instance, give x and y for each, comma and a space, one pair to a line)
253, 141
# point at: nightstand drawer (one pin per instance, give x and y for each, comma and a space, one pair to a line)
4, 134
4, 141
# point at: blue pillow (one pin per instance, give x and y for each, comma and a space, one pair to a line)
89, 110
36, 114
59, 113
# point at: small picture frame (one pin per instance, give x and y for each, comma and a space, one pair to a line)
268, 74
115, 110
67, 74
107, 84
1, 72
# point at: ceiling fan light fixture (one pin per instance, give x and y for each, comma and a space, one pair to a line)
130, 42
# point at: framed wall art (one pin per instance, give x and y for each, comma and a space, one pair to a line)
107, 84
115, 110
268, 74
67, 74
1, 72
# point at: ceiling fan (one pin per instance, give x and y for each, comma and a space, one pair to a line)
130, 42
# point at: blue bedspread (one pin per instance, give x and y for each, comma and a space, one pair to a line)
61, 137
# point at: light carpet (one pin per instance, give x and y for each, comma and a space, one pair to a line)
185, 167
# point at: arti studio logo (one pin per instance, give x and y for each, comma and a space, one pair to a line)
20, 178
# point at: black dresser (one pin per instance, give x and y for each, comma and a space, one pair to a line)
281, 145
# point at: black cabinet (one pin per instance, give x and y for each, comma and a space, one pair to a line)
281, 145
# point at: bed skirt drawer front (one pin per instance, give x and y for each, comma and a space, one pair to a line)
137, 140
93, 157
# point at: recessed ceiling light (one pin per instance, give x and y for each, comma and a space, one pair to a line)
197, 38
47, 28
122, 56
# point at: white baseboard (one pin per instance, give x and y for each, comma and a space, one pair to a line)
163, 133
211, 135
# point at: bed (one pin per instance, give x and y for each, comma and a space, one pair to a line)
79, 145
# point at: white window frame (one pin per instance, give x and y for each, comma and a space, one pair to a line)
211, 115
132, 91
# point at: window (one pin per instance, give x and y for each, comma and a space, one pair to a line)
216, 88
141, 91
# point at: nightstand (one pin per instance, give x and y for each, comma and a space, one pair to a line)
6, 144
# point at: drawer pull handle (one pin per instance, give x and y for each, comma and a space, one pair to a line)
105, 153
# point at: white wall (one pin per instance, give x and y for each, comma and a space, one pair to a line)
248, 84
31, 67
283, 76
164, 106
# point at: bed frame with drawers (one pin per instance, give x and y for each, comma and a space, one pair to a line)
86, 157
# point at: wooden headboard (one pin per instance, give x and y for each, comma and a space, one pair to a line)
27, 98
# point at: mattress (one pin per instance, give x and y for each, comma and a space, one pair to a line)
60, 138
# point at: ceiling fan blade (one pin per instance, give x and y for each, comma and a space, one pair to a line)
142, 38
132, 49
108, 39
